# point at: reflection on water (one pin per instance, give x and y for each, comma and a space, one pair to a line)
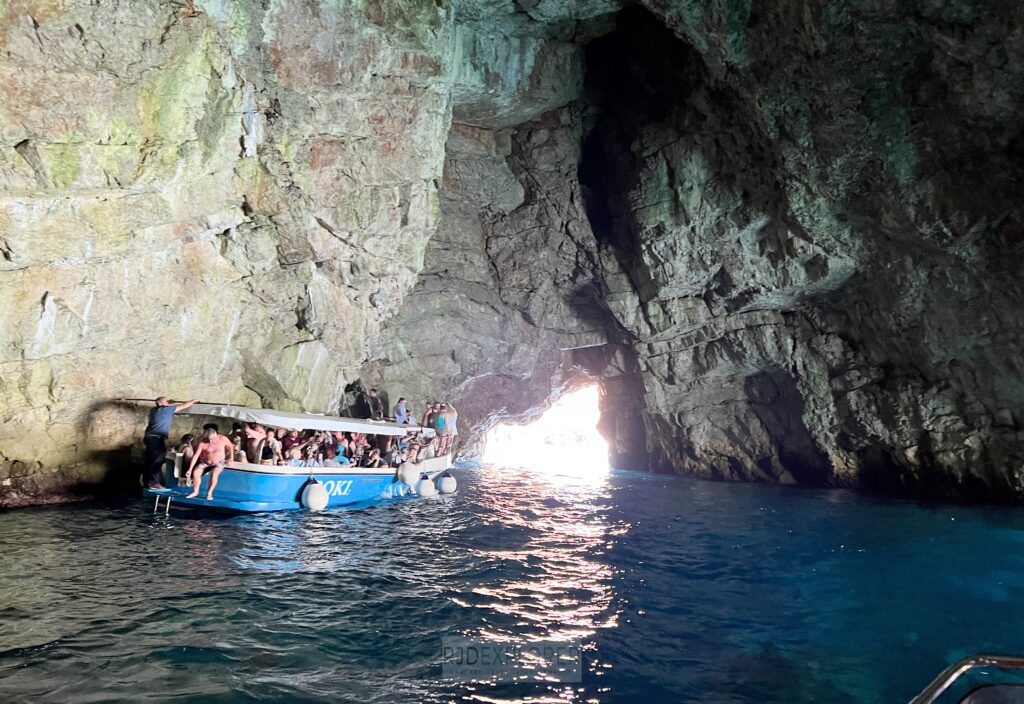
558, 586
544, 576
679, 590
295, 605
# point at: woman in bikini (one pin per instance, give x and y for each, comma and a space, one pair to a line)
270, 450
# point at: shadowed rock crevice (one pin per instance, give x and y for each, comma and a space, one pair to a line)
778, 405
511, 284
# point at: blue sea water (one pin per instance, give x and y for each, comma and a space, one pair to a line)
680, 591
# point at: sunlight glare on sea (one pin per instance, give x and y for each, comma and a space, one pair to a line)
679, 590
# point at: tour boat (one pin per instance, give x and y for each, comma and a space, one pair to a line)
244, 486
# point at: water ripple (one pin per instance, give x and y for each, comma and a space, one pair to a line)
680, 591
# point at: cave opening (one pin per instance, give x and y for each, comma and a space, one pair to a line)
563, 443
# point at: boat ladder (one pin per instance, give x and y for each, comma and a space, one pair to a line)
167, 508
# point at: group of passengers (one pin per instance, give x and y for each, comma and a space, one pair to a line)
259, 444
443, 418
253, 442
440, 416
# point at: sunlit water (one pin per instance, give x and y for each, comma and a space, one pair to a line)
682, 591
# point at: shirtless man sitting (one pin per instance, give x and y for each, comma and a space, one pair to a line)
213, 451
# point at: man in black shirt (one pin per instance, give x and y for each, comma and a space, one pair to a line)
376, 405
155, 438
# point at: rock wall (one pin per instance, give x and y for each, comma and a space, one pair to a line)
800, 279
221, 200
511, 284
784, 237
818, 212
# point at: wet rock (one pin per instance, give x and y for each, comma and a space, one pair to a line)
815, 288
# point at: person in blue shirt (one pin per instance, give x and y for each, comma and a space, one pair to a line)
154, 438
401, 412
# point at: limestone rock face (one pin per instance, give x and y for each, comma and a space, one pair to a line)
513, 61
511, 284
221, 200
784, 238
818, 216
799, 279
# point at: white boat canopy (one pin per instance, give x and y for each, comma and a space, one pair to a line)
303, 421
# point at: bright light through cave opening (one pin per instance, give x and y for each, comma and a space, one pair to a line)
562, 443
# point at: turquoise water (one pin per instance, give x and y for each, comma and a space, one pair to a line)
681, 591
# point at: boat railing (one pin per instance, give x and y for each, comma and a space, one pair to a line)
951, 674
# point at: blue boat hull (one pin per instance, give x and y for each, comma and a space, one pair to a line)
243, 490
250, 487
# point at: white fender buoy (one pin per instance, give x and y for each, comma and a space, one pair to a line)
407, 473
446, 483
425, 487
314, 496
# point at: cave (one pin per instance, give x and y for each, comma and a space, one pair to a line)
784, 247
718, 302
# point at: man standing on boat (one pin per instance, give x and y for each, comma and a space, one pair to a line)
155, 438
376, 405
